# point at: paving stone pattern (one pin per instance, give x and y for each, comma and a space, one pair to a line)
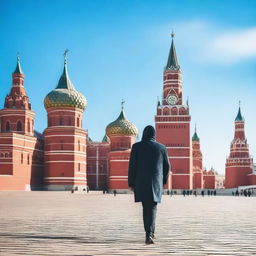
61, 223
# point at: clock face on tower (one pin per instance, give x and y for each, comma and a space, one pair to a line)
171, 99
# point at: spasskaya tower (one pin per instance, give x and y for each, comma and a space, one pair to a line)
173, 124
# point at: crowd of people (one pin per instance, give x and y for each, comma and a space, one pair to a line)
246, 192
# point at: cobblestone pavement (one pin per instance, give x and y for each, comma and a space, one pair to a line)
61, 223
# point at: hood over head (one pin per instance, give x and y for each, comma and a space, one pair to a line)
149, 133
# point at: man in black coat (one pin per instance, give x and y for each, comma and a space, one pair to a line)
148, 172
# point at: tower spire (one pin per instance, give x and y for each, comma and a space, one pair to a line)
18, 69
239, 116
65, 82
172, 62
195, 136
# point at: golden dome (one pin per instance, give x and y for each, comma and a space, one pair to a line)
121, 126
65, 98
65, 95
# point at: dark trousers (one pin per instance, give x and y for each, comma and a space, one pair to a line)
149, 217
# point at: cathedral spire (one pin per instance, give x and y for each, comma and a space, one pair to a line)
239, 116
18, 69
65, 82
172, 63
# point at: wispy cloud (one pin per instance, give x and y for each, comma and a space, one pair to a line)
235, 46
217, 45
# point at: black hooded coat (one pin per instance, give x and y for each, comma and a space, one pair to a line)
148, 167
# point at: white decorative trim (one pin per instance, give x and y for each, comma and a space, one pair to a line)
32, 139
20, 146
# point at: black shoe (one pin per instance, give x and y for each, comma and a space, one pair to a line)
153, 236
149, 240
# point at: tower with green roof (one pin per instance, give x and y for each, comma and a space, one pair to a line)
65, 138
239, 164
122, 134
197, 162
172, 122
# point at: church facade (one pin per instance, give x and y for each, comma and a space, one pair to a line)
64, 157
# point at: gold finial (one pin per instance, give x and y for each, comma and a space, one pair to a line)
122, 104
172, 34
65, 56
239, 103
195, 127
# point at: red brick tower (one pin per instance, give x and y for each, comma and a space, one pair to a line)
173, 124
21, 150
239, 163
65, 139
122, 135
197, 162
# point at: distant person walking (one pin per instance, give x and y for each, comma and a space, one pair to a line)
148, 172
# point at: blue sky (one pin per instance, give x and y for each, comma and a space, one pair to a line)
118, 49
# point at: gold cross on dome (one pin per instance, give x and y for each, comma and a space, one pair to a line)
122, 103
172, 34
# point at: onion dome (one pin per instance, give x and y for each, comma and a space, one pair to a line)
195, 136
65, 94
121, 127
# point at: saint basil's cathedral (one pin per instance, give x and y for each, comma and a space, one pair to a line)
64, 157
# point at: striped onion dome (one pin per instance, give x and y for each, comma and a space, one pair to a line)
121, 127
65, 94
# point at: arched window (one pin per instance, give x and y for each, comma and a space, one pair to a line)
69, 121
61, 120
28, 159
7, 126
79, 145
79, 166
21, 158
6, 155
78, 122
19, 126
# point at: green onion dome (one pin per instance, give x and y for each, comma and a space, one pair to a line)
65, 95
121, 127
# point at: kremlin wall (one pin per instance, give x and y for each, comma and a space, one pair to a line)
64, 157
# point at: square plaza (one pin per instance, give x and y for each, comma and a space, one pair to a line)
61, 223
